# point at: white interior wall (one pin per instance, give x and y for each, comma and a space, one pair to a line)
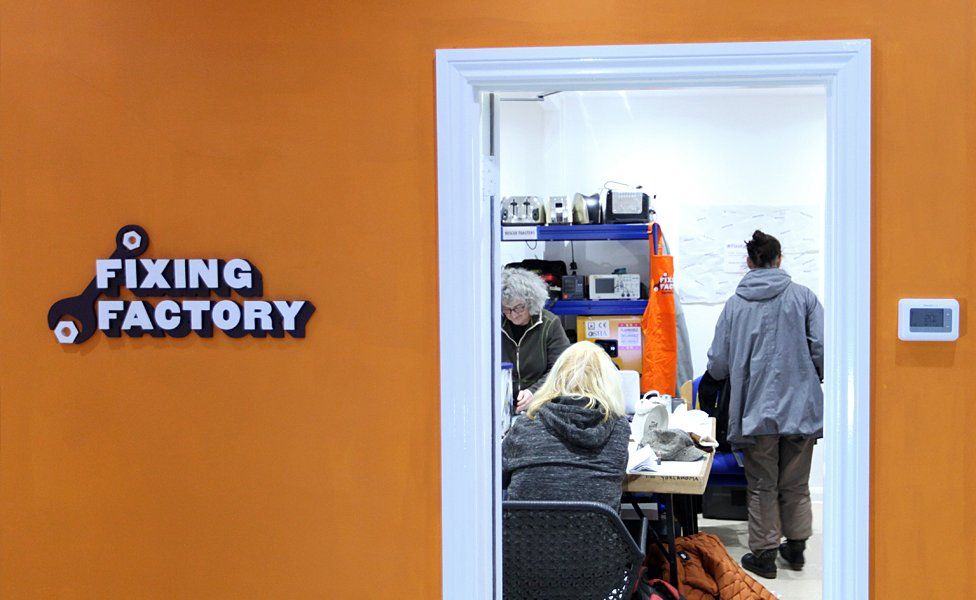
690, 147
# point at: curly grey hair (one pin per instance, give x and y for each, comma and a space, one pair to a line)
520, 285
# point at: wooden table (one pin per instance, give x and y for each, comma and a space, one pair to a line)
690, 482
662, 483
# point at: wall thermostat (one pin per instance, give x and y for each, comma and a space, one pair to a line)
928, 319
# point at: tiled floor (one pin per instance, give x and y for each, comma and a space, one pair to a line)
789, 585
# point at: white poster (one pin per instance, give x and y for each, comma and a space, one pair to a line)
711, 257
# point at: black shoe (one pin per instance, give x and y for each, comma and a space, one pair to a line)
762, 563
792, 553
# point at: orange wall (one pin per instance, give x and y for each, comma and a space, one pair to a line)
296, 469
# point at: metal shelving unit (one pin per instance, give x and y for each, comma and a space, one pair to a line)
572, 233
597, 307
580, 233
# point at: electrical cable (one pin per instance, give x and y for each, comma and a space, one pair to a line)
606, 185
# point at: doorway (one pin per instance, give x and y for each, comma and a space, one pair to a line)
468, 233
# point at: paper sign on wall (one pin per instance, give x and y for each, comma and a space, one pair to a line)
629, 336
735, 258
73, 320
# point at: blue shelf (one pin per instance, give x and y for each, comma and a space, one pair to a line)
597, 307
553, 233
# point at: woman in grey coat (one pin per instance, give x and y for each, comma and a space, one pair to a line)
769, 344
572, 442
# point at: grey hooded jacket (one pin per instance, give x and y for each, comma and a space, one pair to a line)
567, 452
769, 344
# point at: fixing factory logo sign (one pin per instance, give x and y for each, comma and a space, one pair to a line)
192, 280
665, 284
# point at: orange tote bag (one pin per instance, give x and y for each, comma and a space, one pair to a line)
660, 360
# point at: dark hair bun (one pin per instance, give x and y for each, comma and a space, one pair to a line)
763, 249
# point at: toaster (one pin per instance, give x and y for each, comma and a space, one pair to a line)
558, 211
523, 210
586, 209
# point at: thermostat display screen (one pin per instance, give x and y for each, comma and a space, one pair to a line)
930, 319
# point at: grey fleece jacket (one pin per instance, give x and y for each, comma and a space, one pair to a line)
567, 453
769, 344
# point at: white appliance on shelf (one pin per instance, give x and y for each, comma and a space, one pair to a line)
614, 287
523, 210
558, 211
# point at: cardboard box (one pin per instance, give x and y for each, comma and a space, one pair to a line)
624, 330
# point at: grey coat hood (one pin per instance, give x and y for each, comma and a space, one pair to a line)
769, 344
569, 420
763, 284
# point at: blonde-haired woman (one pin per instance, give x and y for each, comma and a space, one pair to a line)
572, 442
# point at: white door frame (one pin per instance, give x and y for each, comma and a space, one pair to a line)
467, 228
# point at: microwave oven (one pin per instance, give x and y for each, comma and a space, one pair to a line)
614, 287
627, 207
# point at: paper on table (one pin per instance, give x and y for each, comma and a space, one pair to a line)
642, 460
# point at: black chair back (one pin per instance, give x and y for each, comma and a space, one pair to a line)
567, 551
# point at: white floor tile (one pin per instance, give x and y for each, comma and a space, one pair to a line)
788, 585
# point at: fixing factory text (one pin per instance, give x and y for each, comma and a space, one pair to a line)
189, 279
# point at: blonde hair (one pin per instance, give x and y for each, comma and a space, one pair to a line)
583, 370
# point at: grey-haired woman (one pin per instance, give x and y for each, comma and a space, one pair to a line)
532, 337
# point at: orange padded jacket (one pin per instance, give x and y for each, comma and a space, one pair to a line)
707, 572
